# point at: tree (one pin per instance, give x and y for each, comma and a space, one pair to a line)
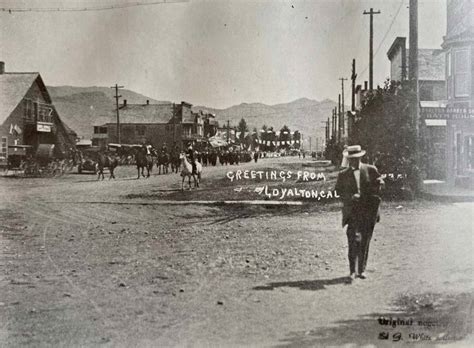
297, 139
255, 138
285, 137
385, 129
242, 128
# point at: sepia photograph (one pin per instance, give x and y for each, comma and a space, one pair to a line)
236, 173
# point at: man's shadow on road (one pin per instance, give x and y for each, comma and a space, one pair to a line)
318, 284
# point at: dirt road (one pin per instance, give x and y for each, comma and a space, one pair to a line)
88, 263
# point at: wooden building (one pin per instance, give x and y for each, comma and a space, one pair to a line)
28, 116
431, 68
156, 124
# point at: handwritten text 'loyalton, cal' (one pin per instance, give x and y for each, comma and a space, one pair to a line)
283, 176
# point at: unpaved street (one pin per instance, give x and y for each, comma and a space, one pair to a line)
109, 263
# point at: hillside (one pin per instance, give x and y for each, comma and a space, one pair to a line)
303, 114
82, 107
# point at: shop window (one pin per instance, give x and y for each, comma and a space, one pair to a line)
426, 92
100, 130
461, 73
469, 151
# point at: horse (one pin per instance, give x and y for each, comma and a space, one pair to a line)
175, 161
144, 159
105, 161
187, 171
163, 162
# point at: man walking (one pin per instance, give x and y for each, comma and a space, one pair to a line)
359, 186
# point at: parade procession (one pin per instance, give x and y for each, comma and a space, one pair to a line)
184, 173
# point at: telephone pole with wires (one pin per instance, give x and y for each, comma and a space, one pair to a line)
371, 46
117, 96
353, 79
343, 125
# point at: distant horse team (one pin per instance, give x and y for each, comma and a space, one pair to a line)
145, 157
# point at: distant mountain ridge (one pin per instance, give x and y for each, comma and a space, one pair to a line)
82, 107
305, 115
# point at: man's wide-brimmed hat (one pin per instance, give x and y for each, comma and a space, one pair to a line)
353, 151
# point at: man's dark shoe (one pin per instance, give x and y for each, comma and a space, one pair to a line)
363, 275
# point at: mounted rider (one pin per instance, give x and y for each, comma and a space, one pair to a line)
190, 153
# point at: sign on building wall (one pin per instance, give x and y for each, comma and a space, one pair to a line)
42, 127
447, 113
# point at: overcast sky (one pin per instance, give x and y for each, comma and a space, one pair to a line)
216, 54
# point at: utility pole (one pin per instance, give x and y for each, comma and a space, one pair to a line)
343, 125
327, 131
413, 57
339, 123
228, 130
309, 144
353, 79
333, 125
350, 119
371, 47
117, 96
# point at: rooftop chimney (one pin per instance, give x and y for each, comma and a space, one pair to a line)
2, 67
147, 102
365, 85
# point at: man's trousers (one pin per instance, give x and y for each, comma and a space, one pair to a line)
359, 233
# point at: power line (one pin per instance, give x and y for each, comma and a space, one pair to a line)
88, 8
389, 28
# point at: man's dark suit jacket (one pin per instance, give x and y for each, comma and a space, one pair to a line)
368, 204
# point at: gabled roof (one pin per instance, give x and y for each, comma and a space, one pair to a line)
13, 88
142, 114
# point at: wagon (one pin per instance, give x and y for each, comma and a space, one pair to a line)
43, 162
18, 157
